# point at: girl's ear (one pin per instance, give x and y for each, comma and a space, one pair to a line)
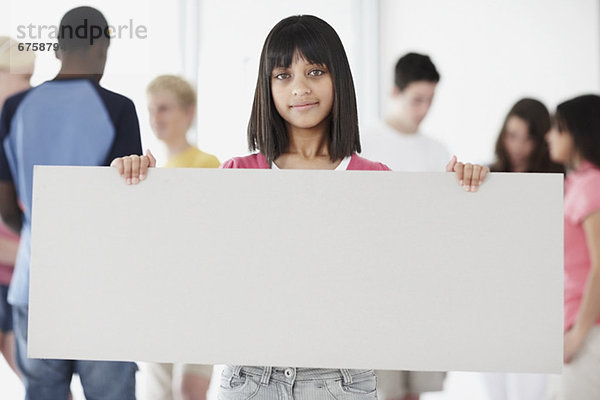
190, 112
395, 91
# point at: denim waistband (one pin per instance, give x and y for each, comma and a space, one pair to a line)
292, 374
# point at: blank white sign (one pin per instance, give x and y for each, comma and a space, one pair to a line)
354, 269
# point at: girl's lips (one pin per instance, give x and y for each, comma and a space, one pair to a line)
304, 106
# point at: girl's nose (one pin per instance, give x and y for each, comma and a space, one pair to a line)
300, 89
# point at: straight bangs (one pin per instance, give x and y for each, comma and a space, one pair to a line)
296, 41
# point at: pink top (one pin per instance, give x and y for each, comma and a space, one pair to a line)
582, 198
5, 269
258, 161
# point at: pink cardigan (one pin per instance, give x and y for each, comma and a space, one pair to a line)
258, 161
582, 198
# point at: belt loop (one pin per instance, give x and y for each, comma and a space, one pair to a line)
347, 377
236, 371
266, 376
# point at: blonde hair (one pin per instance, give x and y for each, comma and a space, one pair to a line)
183, 91
11, 58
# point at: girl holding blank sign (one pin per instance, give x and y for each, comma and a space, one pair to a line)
304, 116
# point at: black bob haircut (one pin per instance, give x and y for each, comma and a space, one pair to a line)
317, 42
414, 67
82, 27
580, 117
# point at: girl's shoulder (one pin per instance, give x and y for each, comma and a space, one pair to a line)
582, 196
591, 172
359, 163
253, 161
586, 178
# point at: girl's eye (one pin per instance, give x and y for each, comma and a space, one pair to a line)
282, 76
316, 72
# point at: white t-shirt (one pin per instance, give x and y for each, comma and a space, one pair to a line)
413, 152
342, 166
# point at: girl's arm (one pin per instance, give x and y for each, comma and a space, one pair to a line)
8, 251
468, 175
10, 212
590, 305
134, 168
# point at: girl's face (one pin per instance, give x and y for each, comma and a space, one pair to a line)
561, 146
302, 93
518, 142
168, 119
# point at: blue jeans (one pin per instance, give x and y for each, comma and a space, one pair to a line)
6, 324
272, 383
46, 379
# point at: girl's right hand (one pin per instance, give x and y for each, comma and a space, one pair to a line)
469, 176
134, 168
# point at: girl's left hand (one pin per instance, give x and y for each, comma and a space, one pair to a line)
468, 175
573, 342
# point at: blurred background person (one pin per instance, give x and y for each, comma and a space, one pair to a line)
521, 147
172, 107
574, 141
521, 144
76, 104
399, 143
16, 68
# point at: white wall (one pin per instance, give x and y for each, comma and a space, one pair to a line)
489, 54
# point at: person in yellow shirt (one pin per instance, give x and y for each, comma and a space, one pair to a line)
172, 108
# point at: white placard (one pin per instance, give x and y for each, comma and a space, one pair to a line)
354, 269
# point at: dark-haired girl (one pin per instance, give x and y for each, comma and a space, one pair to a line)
574, 142
304, 116
521, 146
